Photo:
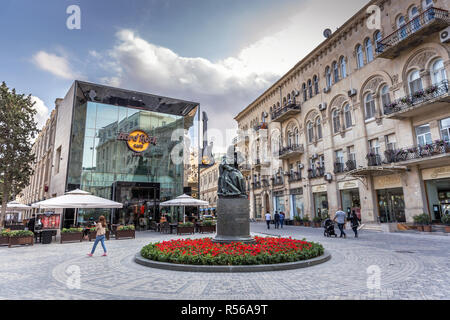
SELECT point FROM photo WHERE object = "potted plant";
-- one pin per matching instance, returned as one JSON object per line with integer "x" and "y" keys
{"x": 127, "y": 231}
{"x": 93, "y": 234}
{"x": 185, "y": 228}
{"x": 446, "y": 221}
{"x": 20, "y": 237}
{"x": 317, "y": 221}
{"x": 4, "y": 237}
{"x": 207, "y": 226}
{"x": 297, "y": 221}
{"x": 423, "y": 222}
{"x": 71, "y": 234}
{"x": 306, "y": 221}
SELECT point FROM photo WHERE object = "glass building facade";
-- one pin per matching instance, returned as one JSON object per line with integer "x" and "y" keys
{"x": 104, "y": 164}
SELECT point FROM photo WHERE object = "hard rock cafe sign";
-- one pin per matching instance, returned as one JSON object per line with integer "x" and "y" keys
{"x": 138, "y": 141}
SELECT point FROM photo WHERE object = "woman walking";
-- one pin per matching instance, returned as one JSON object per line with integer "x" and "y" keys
{"x": 101, "y": 231}
{"x": 355, "y": 223}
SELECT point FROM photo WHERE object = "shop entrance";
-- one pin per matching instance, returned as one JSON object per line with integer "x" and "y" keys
{"x": 350, "y": 201}
{"x": 140, "y": 203}
{"x": 320, "y": 204}
{"x": 391, "y": 205}
{"x": 438, "y": 194}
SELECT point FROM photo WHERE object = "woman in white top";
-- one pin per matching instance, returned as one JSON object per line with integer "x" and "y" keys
{"x": 101, "y": 231}
{"x": 268, "y": 219}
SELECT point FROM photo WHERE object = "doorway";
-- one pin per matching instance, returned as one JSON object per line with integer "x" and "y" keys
{"x": 391, "y": 205}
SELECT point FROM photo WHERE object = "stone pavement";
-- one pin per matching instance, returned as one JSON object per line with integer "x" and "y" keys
{"x": 374, "y": 266}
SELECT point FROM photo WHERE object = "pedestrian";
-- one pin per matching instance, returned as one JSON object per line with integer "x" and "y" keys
{"x": 282, "y": 217}
{"x": 355, "y": 223}
{"x": 32, "y": 223}
{"x": 268, "y": 219}
{"x": 339, "y": 217}
{"x": 276, "y": 217}
{"x": 100, "y": 228}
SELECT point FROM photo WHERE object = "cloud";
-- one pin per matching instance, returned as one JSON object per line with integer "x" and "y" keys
{"x": 56, "y": 65}
{"x": 42, "y": 112}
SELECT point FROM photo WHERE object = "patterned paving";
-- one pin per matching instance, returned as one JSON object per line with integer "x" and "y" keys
{"x": 412, "y": 266}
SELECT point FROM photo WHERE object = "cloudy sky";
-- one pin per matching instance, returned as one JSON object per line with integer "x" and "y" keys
{"x": 221, "y": 53}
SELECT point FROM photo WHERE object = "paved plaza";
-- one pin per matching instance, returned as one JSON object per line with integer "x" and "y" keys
{"x": 412, "y": 266}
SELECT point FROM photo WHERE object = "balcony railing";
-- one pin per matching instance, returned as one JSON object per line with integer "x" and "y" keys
{"x": 293, "y": 149}
{"x": 351, "y": 165}
{"x": 277, "y": 180}
{"x": 374, "y": 159}
{"x": 256, "y": 185}
{"x": 417, "y": 152}
{"x": 339, "y": 167}
{"x": 438, "y": 18}
{"x": 290, "y": 108}
{"x": 316, "y": 173}
{"x": 245, "y": 167}
{"x": 295, "y": 176}
{"x": 417, "y": 98}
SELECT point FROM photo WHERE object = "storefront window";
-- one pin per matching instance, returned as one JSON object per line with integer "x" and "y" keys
{"x": 438, "y": 194}
{"x": 297, "y": 205}
{"x": 320, "y": 204}
{"x": 391, "y": 205}
{"x": 350, "y": 201}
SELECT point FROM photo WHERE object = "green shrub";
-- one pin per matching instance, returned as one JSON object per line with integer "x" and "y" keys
{"x": 306, "y": 218}
{"x": 186, "y": 224}
{"x": 127, "y": 227}
{"x": 317, "y": 219}
{"x": 297, "y": 218}
{"x": 445, "y": 219}
{"x": 208, "y": 223}
{"x": 21, "y": 233}
{"x": 422, "y": 219}
{"x": 71, "y": 230}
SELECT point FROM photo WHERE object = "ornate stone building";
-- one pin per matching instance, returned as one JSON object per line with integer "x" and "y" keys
{"x": 362, "y": 122}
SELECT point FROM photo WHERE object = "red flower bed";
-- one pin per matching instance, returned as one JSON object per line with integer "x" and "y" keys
{"x": 205, "y": 252}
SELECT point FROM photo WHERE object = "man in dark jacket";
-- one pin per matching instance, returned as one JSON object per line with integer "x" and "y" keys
{"x": 355, "y": 223}
{"x": 31, "y": 223}
{"x": 276, "y": 217}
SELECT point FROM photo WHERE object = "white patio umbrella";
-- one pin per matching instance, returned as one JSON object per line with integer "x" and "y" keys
{"x": 77, "y": 199}
{"x": 184, "y": 201}
{"x": 16, "y": 206}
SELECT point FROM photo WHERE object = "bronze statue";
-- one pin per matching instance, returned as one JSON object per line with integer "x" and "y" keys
{"x": 231, "y": 181}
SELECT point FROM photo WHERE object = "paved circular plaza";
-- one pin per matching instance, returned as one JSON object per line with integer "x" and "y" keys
{"x": 374, "y": 266}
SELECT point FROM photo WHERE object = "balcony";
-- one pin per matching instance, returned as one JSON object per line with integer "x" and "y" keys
{"x": 316, "y": 173}
{"x": 438, "y": 149}
{"x": 245, "y": 168}
{"x": 350, "y": 165}
{"x": 374, "y": 160}
{"x": 291, "y": 151}
{"x": 295, "y": 176}
{"x": 256, "y": 185}
{"x": 339, "y": 167}
{"x": 261, "y": 163}
{"x": 413, "y": 33}
{"x": 420, "y": 102}
{"x": 284, "y": 113}
{"x": 277, "y": 180}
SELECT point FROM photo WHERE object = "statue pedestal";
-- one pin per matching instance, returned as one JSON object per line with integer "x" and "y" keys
{"x": 233, "y": 223}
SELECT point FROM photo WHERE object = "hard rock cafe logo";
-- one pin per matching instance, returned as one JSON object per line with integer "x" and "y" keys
{"x": 138, "y": 141}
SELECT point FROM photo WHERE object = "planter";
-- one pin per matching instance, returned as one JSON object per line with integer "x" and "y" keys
{"x": 17, "y": 241}
{"x": 447, "y": 229}
{"x": 297, "y": 223}
{"x": 71, "y": 236}
{"x": 185, "y": 230}
{"x": 207, "y": 229}
{"x": 125, "y": 234}
{"x": 316, "y": 224}
{"x": 426, "y": 228}
{"x": 93, "y": 235}
{"x": 4, "y": 241}
{"x": 307, "y": 224}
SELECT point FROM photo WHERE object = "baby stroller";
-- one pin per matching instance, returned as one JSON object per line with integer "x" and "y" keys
{"x": 328, "y": 226}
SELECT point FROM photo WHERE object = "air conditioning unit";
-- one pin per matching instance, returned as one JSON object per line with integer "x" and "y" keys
{"x": 323, "y": 106}
{"x": 326, "y": 90}
{"x": 352, "y": 92}
{"x": 444, "y": 35}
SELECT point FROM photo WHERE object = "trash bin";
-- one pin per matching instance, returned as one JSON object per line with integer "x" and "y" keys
{"x": 46, "y": 236}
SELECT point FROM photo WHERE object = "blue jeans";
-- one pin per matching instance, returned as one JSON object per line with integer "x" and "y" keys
{"x": 341, "y": 228}
{"x": 281, "y": 223}
{"x": 97, "y": 240}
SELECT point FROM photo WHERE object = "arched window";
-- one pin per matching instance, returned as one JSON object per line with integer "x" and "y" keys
{"x": 401, "y": 22}
{"x": 310, "y": 132}
{"x": 316, "y": 84}
{"x": 305, "y": 93}
{"x": 336, "y": 121}
{"x": 385, "y": 97}
{"x": 415, "y": 82}
{"x": 438, "y": 72}
{"x": 369, "y": 50}
{"x": 369, "y": 106}
{"x": 348, "y": 116}
{"x": 343, "y": 65}
{"x": 310, "y": 90}
{"x": 359, "y": 56}
{"x": 328, "y": 77}
{"x": 427, "y": 4}
{"x": 429, "y": 11}
{"x": 335, "y": 72}
{"x": 414, "y": 17}
{"x": 377, "y": 40}
{"x": 319, "y": 128}
{"x": 296, "y": 137}
{"x": 275, "y": 144}
{"x": 289, "y": 136}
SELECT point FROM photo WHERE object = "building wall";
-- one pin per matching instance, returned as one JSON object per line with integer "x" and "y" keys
{"x": 369, "y": 78}
{"x": 209, "y": 183}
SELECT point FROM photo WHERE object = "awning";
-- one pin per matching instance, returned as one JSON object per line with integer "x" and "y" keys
{"x": 377, "y": 171}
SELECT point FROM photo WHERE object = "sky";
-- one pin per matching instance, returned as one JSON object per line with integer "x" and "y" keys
{"x": 220, "y": 53}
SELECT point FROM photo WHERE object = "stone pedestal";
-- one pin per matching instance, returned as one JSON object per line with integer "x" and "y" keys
{"x": 233, "y": 223}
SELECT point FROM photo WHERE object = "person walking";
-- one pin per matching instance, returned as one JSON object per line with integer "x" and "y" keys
{"x": 268, "y": 219}
{"x": 276, "y": 217}
{"x": 282, "y": 217}
{"x": 101, "y": 231}
{"x": 355, "y": 223}
{"x": 339, "y": 217}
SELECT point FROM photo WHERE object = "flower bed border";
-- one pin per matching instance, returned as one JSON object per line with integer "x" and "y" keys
{"x": 326, "y": 256}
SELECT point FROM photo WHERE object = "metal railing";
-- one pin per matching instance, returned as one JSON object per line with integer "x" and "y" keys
{"x": 316, "y": 173}
{"x": 339, "y": 167}
{"x": 292, "y": 105}
{"x": 292, "y": 148}
{"x": 295, "y": 176}
{"x": 374, "y": 160}
{"x": 417, "y": 152}
{"x": 417, "y": 98}
{"x": 411, "y": 27}
{"x": 277, "y": 180}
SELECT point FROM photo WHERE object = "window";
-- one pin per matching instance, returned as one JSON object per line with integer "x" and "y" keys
{"x": 305, "y": 93}
{"x": 401, "y": 22}
{"x": 438, "y": 72}
{"x": 321, "y": 161}
{"x": 374, "y": 146}
{"x": 343, "y": 65}
{"x": 310, "y": 132}
{"x": 377, "y": 39}
{"x": 415, "y": 82}
{"x": 359, "y": 56}
{"x": 351, "y": 154}
{"x": 296, "y": 137}
{"x": 391, "y": 142}
{"x": 319, "y": 128}
{"x": 369, "y": 50}
{"x": 316, "y": 85}
{"x": 444, "y": 124}
{"x": 347, "y": 116}
{"x": 427, "y": 4}
{"x": 312, "y": 164}
{"x": 423, "y": 135}
{"x": 339, "y": 156}
{"x": 369, "y": 106}
{"x": 289, "y": 142}
{"x": 328, "y": 76}
{"x": 58, "y": 159}
{"x": 310, "y": 89}
{"x": 414, "y": 17}
{"x": 336, "y": 121}
{"x": 335, "y": 72}
{"x": 385, "y": 97}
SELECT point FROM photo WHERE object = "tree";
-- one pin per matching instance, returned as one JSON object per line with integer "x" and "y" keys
{"x": 17, "y": 131}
